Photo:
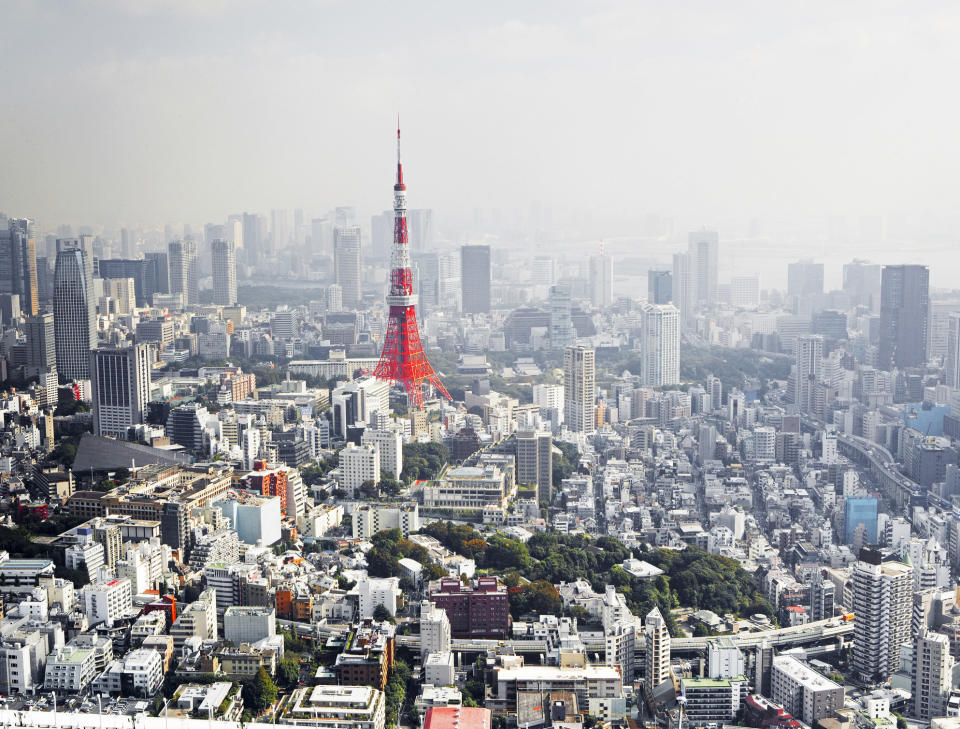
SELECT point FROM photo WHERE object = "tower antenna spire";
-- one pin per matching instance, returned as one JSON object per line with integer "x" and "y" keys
{"x": 399, "y": 166}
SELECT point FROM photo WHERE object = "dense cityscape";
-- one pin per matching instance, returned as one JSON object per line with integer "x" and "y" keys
{"x": 327, "y": 469}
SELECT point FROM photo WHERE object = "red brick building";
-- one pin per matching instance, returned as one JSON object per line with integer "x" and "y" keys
{"x": 478, "y": 611}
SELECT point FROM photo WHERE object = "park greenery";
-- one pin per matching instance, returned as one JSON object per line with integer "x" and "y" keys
{"x": 692, "y": 578}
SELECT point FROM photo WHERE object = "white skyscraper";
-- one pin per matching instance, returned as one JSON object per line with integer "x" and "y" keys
{"x": 562, "y": 333}
{"x": 579, "y": 388}
{"x": 932, "y": 671}
{"x": 657, "y": 658}
{"x": 224, "y": 260}
{"x": 434, "y": 629}
{"x": 660, "y": 348}
{"x": 346, "y": 250}
{"x": 184, "y": 273}
{"x": 809, "y": 369}
{"x": 703, "y": 247}
{"x": 601, "y": 280}
{"x": 882, "y": 603}
{"x": 952, "y": 359}
{"x": 120, "y": 384}
{"x": 682, "y": 289}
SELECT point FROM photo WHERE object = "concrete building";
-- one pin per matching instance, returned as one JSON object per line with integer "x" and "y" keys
{"x": 475, "y": 279}
{"x": 184, "y": 270}
{"x": 255, "y": 518}
{"x": 70, "y": 669}
{"x": 368, "y": 519}
{"x": 107, "y": 601}
{"x": 434, "y": 629}
{"x": 535, "y": 462}
{"x": 390, "y": 445}
{"x": 139, "y": 674}
{"x": 587, "y": 682}
{"x": 358, "y": 465}
{"x": 374, "y": 591}
{"x": 932, "y": 671}
{"x": 579, "y": 389}
{"x": 347, "y": 264}
{"x": 467, "y": 488}
{"x": 882, "y": 603}
{"x": 336, "y": 707}
{"x": 802, "y": 691}
{"x": 198, "y": 620}
{"x": 713, "y": 700}
{"x": 601, "y": 280}
{"x": 224, "y": 266}
{"x": 620, "y": 641}
{"x": 477, "y": 611}
{"x": 74, "y": 310}
{"x": 248, "y": 623}
{"x": 660, "y": 345}
{"x": 904, "y": 316}
{"x": 120, "y": 384}
{"x": 657, "y": 655}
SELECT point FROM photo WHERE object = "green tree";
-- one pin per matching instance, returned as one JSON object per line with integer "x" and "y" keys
{"x": 288, "y": 671}
{"x": 260, "y": 692}
{"x": 380, "y": 613}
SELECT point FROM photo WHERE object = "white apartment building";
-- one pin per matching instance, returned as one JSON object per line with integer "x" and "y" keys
{"x": 358, "y": 464}
{"x": 657, "y": 656}
{"x": 104, "y": 601}
{"x": 70, "y": 669}
{"x": 434, "y": 629}
{"x": 374, "y": 591}
{"x": 802, "y": 691}
{"x": 139, "y": 673}
{"x": 660, "y": 345}
{"x": 390, "y": 445}
{"x": 337, "y": 707}
{"x": 368, "y": 519}
{"x": 198, "y": 619}
{"x": 467, "y": 487}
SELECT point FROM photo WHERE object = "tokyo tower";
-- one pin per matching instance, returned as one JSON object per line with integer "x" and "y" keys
{"x": 402, "y": 360}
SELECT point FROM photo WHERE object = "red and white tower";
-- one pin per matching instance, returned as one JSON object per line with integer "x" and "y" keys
{"x": 402, "y": 360}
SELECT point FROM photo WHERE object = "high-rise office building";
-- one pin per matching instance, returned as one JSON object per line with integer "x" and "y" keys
{"x": 660, "y": 347}
{"x": 682, "y": 290}
{"x": 427, "y": 278}
{"x": 562, "y": 333}
{"x": 250, "y": 222}
{"x": 744, "y": 292}
{"x": 149, "y": 274}
{"x": 657, "y": 658}
{"x": 420, "y": 229}
{"x": 904, "y": 312}
{"x": 535, "y": 462}
{"x": 860, "y": 512}
{"x": 951, "y": 363}
{"x": 882, "y": 603}
{"x": 861, "y": 282}
{"x": 932, "y": 675}
{"x": 224, "y": 266}
{"x": 804, "y": 278}
{"x": 18, "y": 264}
{"x": 41, "y": 343}
{"x": 279, "y": 230}
{"x": 703, "y": 250}
{"x": 601, "y": 280}
{"x": 346, "y": 251}
{"x": 184, "y": 272}
{"x": 579, "y": 389}
{"x": 659, "y": 287}
{"x": 160, "y": 270}
{"x": 74, "y": 312}
{"x": 475, "y": 279}
{"x": 120, "y": 384}
{"x": 808, "y": 359}
{"x": 381, "y": 235}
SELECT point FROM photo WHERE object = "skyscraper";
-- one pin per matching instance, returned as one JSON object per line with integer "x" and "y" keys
{"x": 381, "y": 235}
{"x": 475, "y": 279}
{"x": 279, "y": 230}
{"x": 821, "y": 596}
{"x": 804, "y": 278}
{"x": 932, "y": 675}
{"x": 861, "y": 282}
{"x": 579, "y": 388}
{"x": 346, "y": 251}
{"x": 427, "y": 276}
{"x": 224, "y": 260}
{"x": 120, "y": 383}
{"x": 41, "y": 344}
{"x": 251, "y": 237}
{"x": 160, "y": 270}
{"x": 857, "y": 512}
{"x": 952, "y": 360}
{"x": 657, "y": 658}
{"x": 659, "y": 287}
{"x": 660, "y": 347}
{"x": 601, "y": 280}
{"x": 882, "y": 604}
{"x": 904, "y": 312}
{"x": 421, "y": 229}
{"x": 183, "y": 270}
{"x": 703, "y": 250}
{"x": 74, "y": 313}
{"x": 562, "y": 333}
{"x": 682, "y": 288}
{"x": 535, "y": 462}
{"x": 808, "y": 358}
{"x": 18, "y": 265}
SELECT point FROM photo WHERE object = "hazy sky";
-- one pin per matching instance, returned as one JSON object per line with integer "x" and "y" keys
{"x": 143, "y": 111}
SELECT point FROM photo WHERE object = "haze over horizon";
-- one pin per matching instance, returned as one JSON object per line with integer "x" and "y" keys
{"x": 138, "y": 113}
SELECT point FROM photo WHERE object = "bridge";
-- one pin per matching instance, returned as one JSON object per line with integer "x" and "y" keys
{"x": 810, "y": 634}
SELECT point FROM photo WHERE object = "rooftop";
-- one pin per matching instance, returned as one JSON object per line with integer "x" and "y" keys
{"x": 457, "y": 717}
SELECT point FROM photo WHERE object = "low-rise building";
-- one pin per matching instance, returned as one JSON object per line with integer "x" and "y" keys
{"x": 70, "y": 670}
{"x": 139, "y": 674}
{"x": 335, "y": 707}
